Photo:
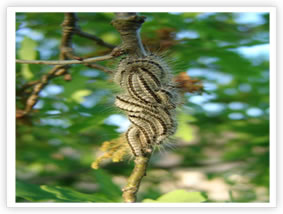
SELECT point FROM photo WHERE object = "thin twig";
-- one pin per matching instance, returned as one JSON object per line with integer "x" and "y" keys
{"x": 68, "y": 28}
{"x": 100, "y": 67}
{"x": 66, "y": 62}
{"x": 29, "y": 84}
{"x": 32, "y": 99}
{"x": 98, "y": 40}
{"x": 77, "y": 31}
{"x": 66, "y": 50}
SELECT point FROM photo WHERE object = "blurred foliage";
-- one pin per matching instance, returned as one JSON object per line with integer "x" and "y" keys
{"x": 221, "y": 148}
{"x": 178, "y": 196}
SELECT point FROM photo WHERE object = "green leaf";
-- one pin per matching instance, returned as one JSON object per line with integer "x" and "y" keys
{"x": 78, "y": 83}
{"x": 184, "y": 130}
{"x": 67, "y": 194}
{"x": 178, "y": 196}
{"x": 110, "y": 37}
{"x": 26, "y": 72}
{"x": 79, "y": 95}
{"x": 27, "y": 51}
{"x": 32, "y": 192}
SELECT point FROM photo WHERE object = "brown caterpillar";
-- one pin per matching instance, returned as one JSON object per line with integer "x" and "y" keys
{"x": 149, "y": 100}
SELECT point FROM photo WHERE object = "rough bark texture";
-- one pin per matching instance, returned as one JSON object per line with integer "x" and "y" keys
{"x": 132, "y": 187}
{"x": 128, "y": 25}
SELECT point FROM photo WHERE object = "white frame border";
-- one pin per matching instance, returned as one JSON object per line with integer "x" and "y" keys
{"x": 11, "y": 140}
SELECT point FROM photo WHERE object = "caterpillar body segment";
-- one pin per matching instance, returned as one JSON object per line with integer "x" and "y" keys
{"x": 149, "y": 65}
{"x": 146, "y": 122}
{"x": 132, "y": 136}
{"x": 133, "y": 90}
{"x": 145, "y": 138}
{"x": 151, "y": 77}
{"x": 167, "y": 98}
{"x": 126, "y": 101}
{"x": 148, "y": 91}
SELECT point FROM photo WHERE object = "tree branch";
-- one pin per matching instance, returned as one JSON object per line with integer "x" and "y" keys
{"x": 133, "y": 184}
{"x": 67, "y": 62}
{"x": 69, "y": 26}
{"x": 100, "y": 67}
{"x": 66, "y": 50}
{"x": 128, "y": 25}
{"x": 32, "y": 99}
{"x": 61, "y": 66}
{"x": 77, "y": 31}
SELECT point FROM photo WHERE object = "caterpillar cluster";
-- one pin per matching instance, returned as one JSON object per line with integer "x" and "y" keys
{"x": 149, "y": 99}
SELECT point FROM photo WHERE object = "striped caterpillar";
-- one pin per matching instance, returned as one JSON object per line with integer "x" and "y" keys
{"x": 149, "y": 100}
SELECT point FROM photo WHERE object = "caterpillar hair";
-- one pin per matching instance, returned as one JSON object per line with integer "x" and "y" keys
{"x": 149, "y": 99}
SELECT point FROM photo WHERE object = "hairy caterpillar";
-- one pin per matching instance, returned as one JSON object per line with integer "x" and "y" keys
{"x": 149, "y": 100}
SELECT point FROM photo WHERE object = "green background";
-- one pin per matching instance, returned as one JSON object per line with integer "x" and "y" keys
{"x": 220, "y": 152}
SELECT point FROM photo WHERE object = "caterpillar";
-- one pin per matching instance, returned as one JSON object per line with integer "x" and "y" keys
{"x": 149, "y": 100}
